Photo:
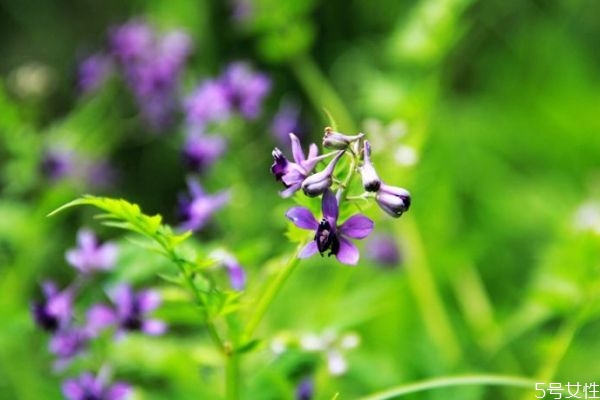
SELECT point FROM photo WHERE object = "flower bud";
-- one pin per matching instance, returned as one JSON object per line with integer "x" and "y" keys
{"x": 370, "y": 179}
{"x": 393, "y": 200}
{"x": 318, "y": 183}
{"x": 339, "y": 141}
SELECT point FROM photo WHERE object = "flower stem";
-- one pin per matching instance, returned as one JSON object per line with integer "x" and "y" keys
{"x": 232, "y": 377}
{"x": 269, "y": 294}
{"x": 437, "y": 383}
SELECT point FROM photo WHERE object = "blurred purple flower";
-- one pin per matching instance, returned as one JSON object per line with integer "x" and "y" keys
{"x": 285, "y": 121}
{"x": 305, "y": 389}
{"x": 57, "y": 164}
{"x": 90, "y": 255}
{"x": 151, "y": 65}
{"x": 88, "y": 387}
{"x": 383, "y": 250}
{"x": 93, "y": 72}
{"x": 129, "y": 313}
{"x": 328, "y": 235}
{"x": 208, "y": 103}
{"x": 242, "y": 10}
{"x": 246, "y": 88}
{"x": 55, "y": 312}
{"x": 131, "y": 41}
{"x": 292, "y": 174}
{"x": 196, "y": 211}
{"x": 67, "y": 343}
{"x": 100, "y": 174}
{"x": 237, "y": 275}
{"x": 200, "y": 151}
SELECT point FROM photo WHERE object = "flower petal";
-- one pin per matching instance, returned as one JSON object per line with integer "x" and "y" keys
{"x": 73, "y": 390}
{"x": 302, "y": 218}
{"x": 99, "y": 317}
{"x": 296, "y": 149}
{"x": 289, "y": 192}
{"x": 357, "y": 227}
{"x": 148, "y": 300}
{"x": 329, "y": 207}
{"x": 118, "y": 391}
{"x": 308, "y": 250}
{"x": 153, "y": 327}
{"x": 348, "y": 253}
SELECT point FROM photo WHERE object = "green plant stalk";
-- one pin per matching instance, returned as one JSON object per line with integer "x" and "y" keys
{"x": 269, "y": 294}
{"x": 232, "y": 376}
{"x": 438, "y": 383}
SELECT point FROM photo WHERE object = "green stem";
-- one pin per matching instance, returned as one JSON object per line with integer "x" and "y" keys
{"x": 320, "y": 91}
{"x": 269, "y": 294}
{"x": 437, "y": 383}
{"x": 232, "y": 377}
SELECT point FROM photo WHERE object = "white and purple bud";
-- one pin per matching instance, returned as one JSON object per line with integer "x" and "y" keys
{"x": 370, "y": 179}
{"x": 339, "y": 141}
{"x": 318, "y": 183}
{"x": 393, "y": 200}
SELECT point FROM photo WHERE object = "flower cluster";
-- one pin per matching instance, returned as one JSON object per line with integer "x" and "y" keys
{"x": 150, "y": 64}
{"x": 71, "y": 335}
{"x": 330, "y": 235}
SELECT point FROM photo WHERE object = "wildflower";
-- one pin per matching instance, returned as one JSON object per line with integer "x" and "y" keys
{"x": 131, "y": 41}
{"x": 208, "y": 103}
{"x": 370, "y": 179}
{"x": 200, "y": 151}
{"x": 329, "y": 236}
{"x": 393, "y": 200}
{"x": 318, "y": 183}
{"x": 292, "y": 174}
{"x": 129, "y": 313}
{"x": 286, "y": 120}
{"x": 332, "y": 346}
{"x": 93, "y": 72}
{"x": 383, "y": 250}
{"x": 196, "y": 211}
{"x": 90, "y": 256}
{"x": 305, "y": 389}
{"x": 57, "y": 164}
{"x": 88, "y": 387}
{"x": 237, "y": 275}
{"x": 56, "y": 311}
{"x": 246, "y": 88}
{"x": 67, "y": 343}
{"x": 339, "y": 141}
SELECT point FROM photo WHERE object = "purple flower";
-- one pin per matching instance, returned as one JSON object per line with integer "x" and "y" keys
{"x": 88, "y": 387}
{"x": 67, "y": 343}
{"x": 292, "y": 174}
{"x": 129, "y": 313}
{"x": 56, "y": 311}
{"x": 90, "y": 256}
{"x": 131, "y": 41}
{"x": 237, "y": 275}
{"x": 208, "y": 103}
{"x": 200, "y": 151}
{"x": 370, "y": 179}
{"x": 246, "y": 89}
{"x": 57, "y": 164}
{"x": 305, "y": 389}
{"x": 151, "y": 65}
{"x": 328, "y": 235}
{"x": 383, "y": 250}
{"x": 393, "y": 200}
{"x": 339, "y": 141}
{"x": 93, "y": 72}
{"x": 318, "y": 183}
{"x": 285, "y": 121}
{"x": 196, "y": 211}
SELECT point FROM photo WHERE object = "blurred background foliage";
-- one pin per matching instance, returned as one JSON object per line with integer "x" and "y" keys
{"x": 487, "y": 111}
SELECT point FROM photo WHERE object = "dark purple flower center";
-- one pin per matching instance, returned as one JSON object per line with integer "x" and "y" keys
{"x": 44, "y": 319}
{"x": 280, "y": 164}
{"x": 133, "y": 320}
{"x": 326, "y": 238}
